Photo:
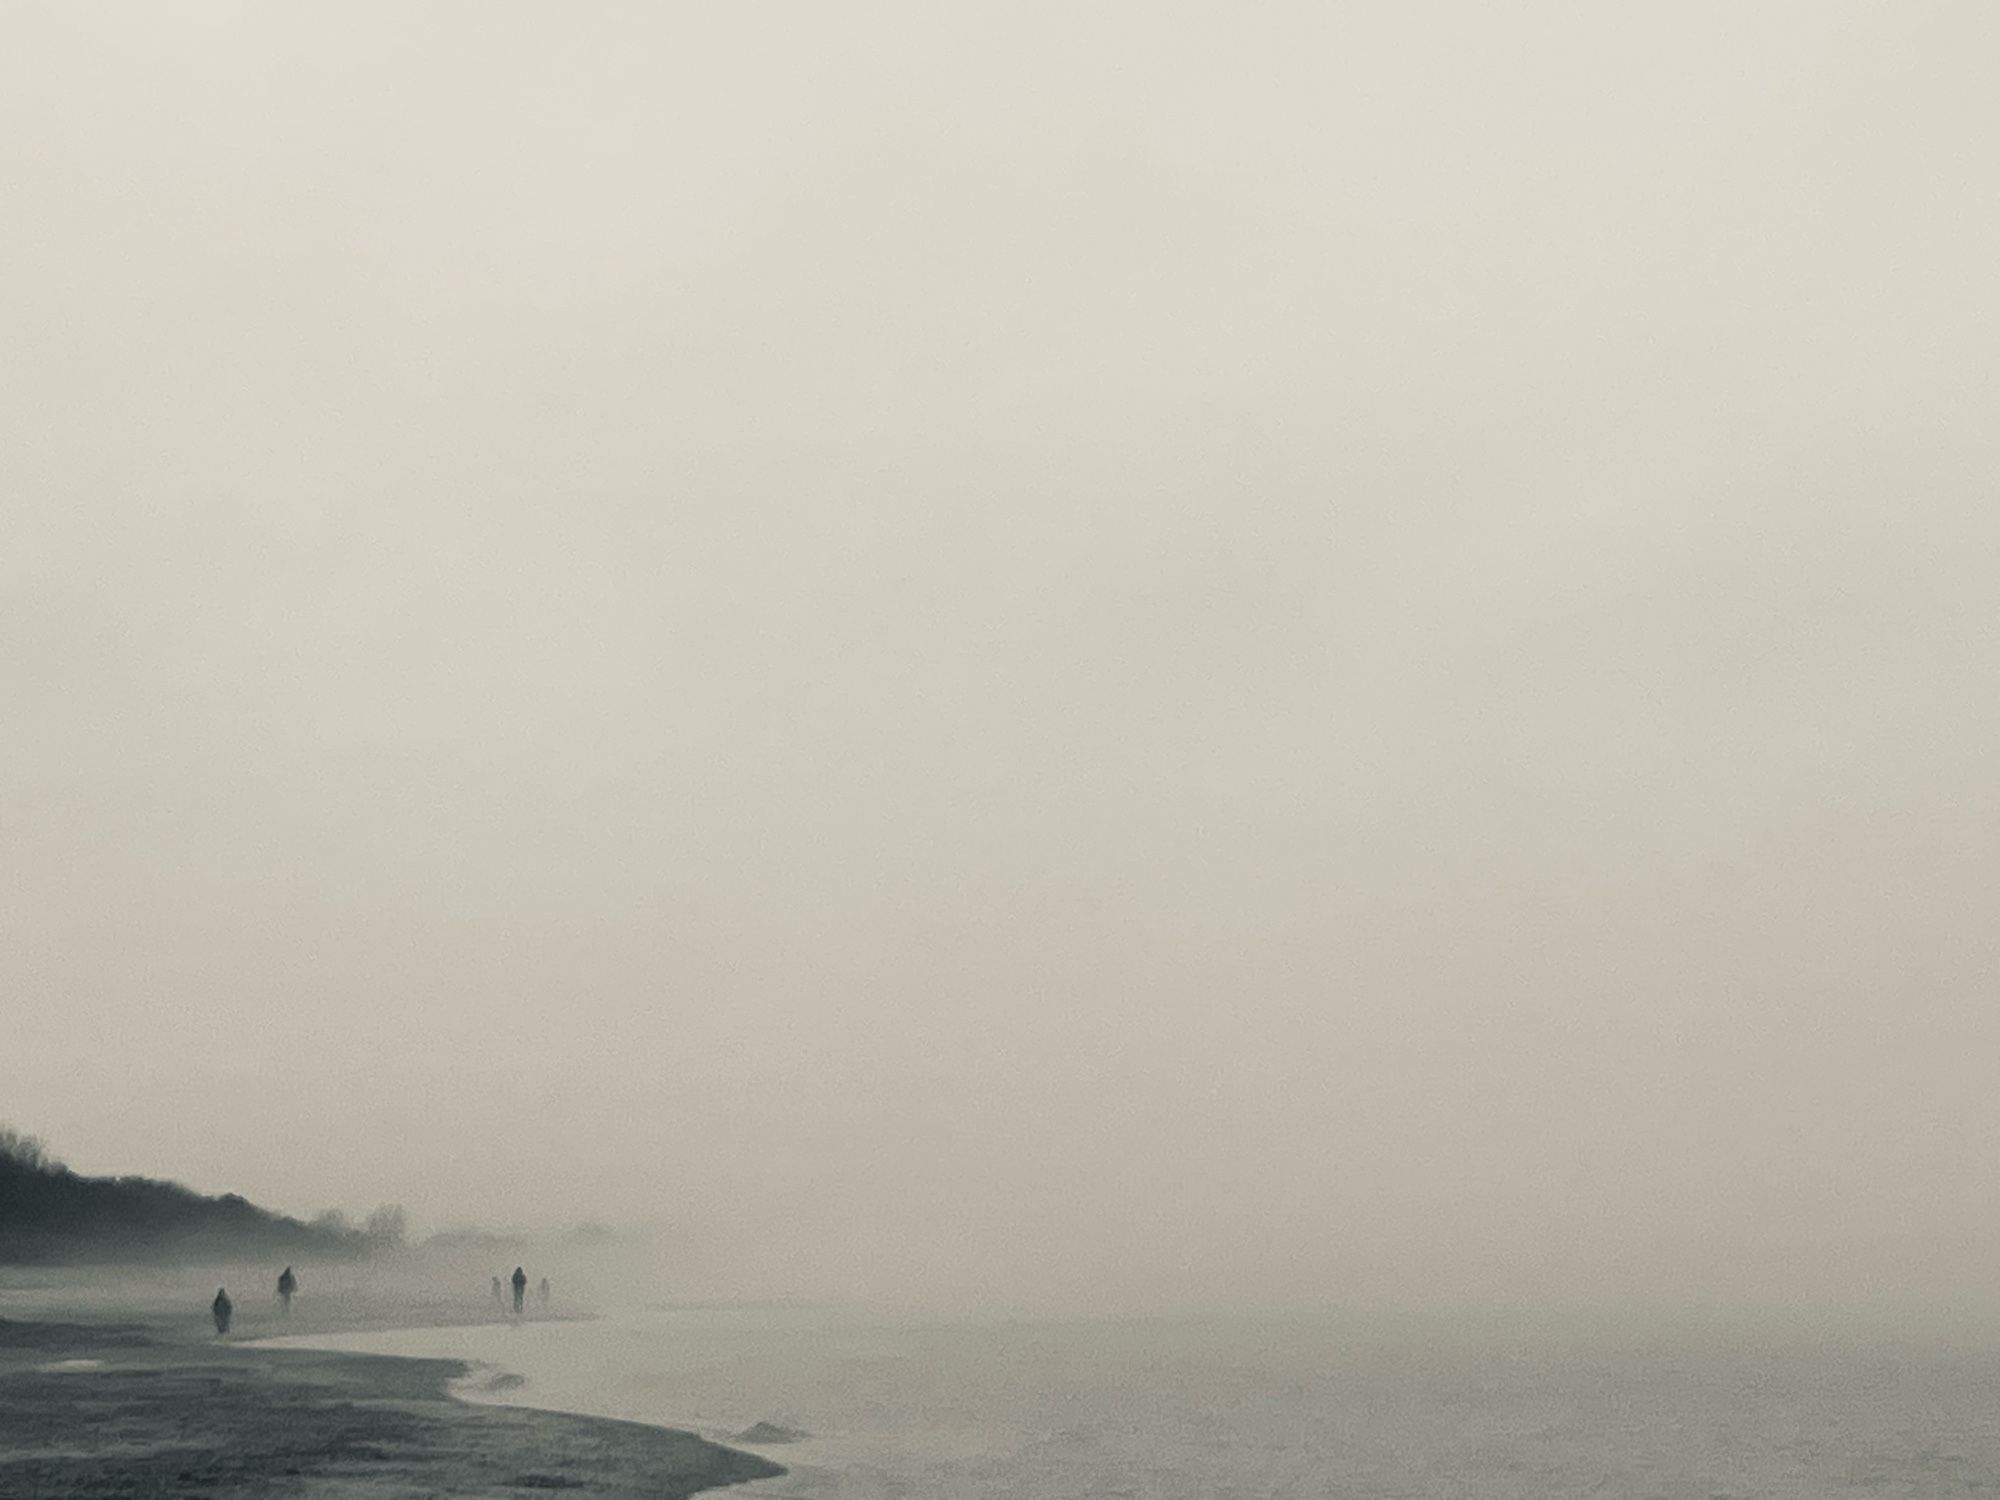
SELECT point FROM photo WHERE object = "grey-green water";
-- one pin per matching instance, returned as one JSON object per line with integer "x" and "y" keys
{"x": 1173, "y": 1410}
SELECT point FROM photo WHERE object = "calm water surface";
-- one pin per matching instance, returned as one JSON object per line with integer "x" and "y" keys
{"x": 1176, "y": 1410}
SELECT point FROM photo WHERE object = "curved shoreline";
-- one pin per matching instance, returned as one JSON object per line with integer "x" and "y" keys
{"x": 151, "y": 1412}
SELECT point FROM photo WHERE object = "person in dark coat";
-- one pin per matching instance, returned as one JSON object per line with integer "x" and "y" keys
{"x": 287, "y": 1284}
{"x": 520, "y": 1289}
{"x": 222, "y": 1307}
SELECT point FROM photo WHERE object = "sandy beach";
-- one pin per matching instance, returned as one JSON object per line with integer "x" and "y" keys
{"x": 141, "y": 1408}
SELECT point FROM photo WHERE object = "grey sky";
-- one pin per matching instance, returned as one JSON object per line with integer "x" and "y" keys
{"x": 1081, "y": 653}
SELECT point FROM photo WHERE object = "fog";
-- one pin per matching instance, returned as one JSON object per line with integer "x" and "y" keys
{"x": 1127, "y": 656}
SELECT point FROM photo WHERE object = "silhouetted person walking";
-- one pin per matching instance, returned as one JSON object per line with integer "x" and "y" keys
{"x": 287, "y": 1284}
{"x": 222, "y": 1307}
{"x": 520, "y": 1289}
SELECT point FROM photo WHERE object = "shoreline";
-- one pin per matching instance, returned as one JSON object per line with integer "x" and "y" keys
{"x": 131, "y": 1407}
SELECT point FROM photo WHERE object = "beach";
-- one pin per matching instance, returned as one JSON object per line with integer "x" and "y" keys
{"x": 139, "y": 1408}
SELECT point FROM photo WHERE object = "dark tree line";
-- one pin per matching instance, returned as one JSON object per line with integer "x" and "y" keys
{"x": 52, "y": 1215}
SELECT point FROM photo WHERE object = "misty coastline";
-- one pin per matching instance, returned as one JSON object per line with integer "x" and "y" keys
{"x": 120, "y": 1373}
{"x": 1135, "y": 751}
{"x": 115, "y": 1404}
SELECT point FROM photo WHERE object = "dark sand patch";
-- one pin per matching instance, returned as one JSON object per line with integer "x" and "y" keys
{"x": 170, "y": 1417}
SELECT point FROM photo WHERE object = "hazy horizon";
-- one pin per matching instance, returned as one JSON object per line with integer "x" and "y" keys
{"x": 1162, "y": 656}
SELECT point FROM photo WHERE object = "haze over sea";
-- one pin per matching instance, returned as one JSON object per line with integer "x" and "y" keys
{"x": 1171, "y": 1409}
{"x": 1089, "y": 661}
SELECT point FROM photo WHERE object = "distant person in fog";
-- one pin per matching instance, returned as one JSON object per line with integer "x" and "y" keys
{"x": 222, "y": 1307}
{"x": 287, "y": 1284}
{"x": 499, "y": 1297}
{"x": 542, "y": 1292}
{"x": 520, "y": 1289}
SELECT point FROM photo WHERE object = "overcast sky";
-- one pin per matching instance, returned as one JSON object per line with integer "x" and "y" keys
{"x": 1090, "y": 654}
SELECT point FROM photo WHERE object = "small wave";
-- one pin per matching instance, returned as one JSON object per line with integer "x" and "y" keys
{"x": 772, "y": 1432}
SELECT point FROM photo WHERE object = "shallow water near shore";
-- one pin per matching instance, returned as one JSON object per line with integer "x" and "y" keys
{"x": 1171, "y": 1410}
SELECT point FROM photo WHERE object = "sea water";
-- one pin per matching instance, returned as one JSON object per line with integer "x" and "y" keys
{"x": 1178, "y": 1409}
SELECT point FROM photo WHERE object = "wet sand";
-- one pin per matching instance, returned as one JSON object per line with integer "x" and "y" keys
{"x": 91, "y": 1409}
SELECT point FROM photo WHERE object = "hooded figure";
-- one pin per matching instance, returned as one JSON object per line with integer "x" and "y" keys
{"x": 222, "y": 1307}
{"x": 287, "y": 1284}
{"x": 520, "y": 1289}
